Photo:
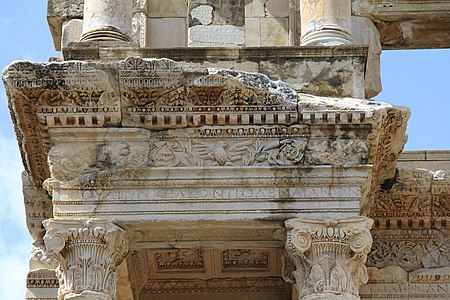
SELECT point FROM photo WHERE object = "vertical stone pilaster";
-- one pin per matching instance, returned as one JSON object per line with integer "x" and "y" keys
{"x": 329, "y": 257}
{"x": 326, "y": 22}
{"x": 89, "y": 251}
{"x": 107, "y": 20}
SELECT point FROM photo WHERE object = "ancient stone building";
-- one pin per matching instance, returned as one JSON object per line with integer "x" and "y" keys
{"x": 212, "y": 149}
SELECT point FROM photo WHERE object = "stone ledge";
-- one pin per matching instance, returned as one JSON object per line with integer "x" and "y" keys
{"x": 109, "y": 51}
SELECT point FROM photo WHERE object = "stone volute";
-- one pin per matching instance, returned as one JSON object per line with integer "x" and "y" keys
{"x": 329, "y": 257}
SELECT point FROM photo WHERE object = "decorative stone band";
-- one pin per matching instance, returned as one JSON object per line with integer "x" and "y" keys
{"x": 329, "y": 256}
{"x": 90, "y": 250}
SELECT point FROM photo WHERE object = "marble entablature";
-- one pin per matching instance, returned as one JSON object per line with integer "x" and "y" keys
{"x": 181, "y": 117}
{"x": 153, "y": 140}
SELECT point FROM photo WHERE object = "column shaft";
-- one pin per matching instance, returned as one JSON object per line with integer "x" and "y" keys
{"x": 106, "y": 20}
{"x": 326, "y": 22}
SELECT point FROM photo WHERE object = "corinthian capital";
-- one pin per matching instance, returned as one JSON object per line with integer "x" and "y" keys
{"x": 329, "y": 256}
{"x": 89, "y": 250}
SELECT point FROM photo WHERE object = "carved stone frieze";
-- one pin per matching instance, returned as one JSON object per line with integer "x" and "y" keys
{"x": 137, "y": 263}
{"x": 42, "y": 278}
{"x": 38, "y": 206}
{"x": 40, "y": 259}
{"x": 89, "y": 251}
{"x": 162, "y": 94}
{"x": 245, "y": 259}
{"x": 179, "y": 260}
{"x": 386, "y": 143}
{"x": 159, "y": 93}
{"x": 413, "y": 199}
{"x": 410, "y": 249}
{"x": 263, "y": 284}
{"x": 407, "y": 204}
{"x": 329, "y": 257}
{"x": 440, "y": 203}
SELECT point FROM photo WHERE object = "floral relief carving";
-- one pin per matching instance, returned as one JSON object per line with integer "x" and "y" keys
{"x": 409, "y": 249}
{"x": 227, "y": 152}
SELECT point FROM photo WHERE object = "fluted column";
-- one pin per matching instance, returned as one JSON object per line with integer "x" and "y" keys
{"x": 325, "y": 22}
{"x": 329, "y": 257}
{"x": 89, "y": 251}
{"x": 107, "y": 20}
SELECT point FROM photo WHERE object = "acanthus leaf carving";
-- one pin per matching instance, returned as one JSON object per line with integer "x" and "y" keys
{"x": 89, "y": 252}
{"x": 329, "y": 256}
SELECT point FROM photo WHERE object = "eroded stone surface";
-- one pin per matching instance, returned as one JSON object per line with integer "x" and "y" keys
{"x": 214, "y": 23}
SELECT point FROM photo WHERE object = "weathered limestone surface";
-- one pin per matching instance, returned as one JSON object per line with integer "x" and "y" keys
{"x": 331, "y": 71}
{"x": 270, "y": 23}
{"x": 269, "y": 125}
{"x": 60, "y": 11}
{"x": 364, "y": 32}
{"x": 433, "y": 160}
{"x": 214, "y": 23}
{"x": 408, "y": 24}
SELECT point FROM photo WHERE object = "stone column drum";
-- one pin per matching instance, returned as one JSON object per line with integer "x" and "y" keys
{"x": 329, "y": 257}
{"x": 325, "y": 22}
{"x": 107, "y": 20}
{"x": 89, "y": 251}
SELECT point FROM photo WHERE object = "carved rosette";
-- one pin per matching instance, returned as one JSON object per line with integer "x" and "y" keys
{"x": 90, "y": 251}
{"x": 329, "y": 257}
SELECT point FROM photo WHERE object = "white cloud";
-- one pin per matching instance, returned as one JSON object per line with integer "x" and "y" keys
{"x": 15, "y": 241}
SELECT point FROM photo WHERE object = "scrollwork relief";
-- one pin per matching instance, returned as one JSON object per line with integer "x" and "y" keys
{"x": 227, "y": 152}
{"x": 409, "y": 249}
{"x": 329, "y": 256}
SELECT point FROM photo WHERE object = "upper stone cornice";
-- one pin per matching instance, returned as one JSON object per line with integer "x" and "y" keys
{"x": 161, "y": 94}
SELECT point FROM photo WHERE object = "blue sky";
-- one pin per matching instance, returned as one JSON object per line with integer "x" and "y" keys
{"x": 417, "y": 79}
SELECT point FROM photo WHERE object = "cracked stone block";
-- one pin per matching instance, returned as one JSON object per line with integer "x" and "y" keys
{"x": 274, "y": 31}
{"x": 229, "y": 12}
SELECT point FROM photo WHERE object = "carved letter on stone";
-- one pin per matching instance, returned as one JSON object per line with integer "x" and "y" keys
{"x": 329, "y": 257}
{"x": 90, "y": 250}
